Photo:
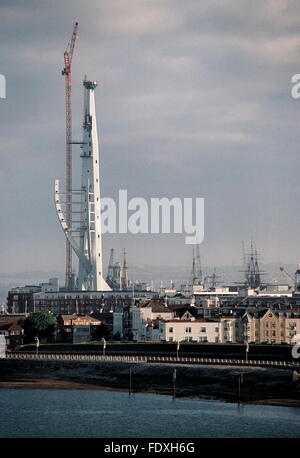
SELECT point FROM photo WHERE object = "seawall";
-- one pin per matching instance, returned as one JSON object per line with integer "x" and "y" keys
{"x": 215, "y": 382}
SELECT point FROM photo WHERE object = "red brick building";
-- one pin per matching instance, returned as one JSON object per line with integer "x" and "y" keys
{"x": 13, "y": 334}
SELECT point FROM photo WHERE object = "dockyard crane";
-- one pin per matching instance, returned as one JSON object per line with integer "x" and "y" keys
{"x": 199, "y": 266}
{"x": 68, "y": 56}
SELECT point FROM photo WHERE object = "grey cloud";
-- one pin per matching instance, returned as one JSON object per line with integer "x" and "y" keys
{"x": 193, "y": 100}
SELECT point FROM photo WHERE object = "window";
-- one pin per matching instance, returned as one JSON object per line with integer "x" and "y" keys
{"x": 202, "y": 329}
{"x": 188, "y": 330}
{"x": 188, "y": 339}
{"x": 170, "y": 329}
{"x": 216, "y": 330}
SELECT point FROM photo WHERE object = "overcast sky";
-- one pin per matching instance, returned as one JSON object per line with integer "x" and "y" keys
{"x": 194, "y": 100}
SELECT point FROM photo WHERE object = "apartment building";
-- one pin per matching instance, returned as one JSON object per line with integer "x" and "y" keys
{"x": 268, "y": 326}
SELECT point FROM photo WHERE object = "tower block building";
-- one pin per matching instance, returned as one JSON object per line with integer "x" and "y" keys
{"x": 84, "y": 234}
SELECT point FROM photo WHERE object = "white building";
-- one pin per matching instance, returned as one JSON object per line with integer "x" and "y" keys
{"x": 192, "y": 330}
{"x": 142, "y": 318}
{"x": 229, "y": 330}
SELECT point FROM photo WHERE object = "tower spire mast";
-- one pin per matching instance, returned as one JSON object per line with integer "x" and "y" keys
{"x": 68, "y": 55}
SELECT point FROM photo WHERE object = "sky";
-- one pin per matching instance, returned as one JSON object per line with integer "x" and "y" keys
{"x": 193, "y": 100}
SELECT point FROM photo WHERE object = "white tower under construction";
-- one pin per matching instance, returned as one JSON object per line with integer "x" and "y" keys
{"x": 84, "y": 234}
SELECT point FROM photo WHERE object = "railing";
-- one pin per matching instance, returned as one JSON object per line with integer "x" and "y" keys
{"x": 148, "y": 359}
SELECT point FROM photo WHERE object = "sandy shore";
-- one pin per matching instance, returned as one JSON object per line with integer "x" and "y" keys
{"x": 277, "y": 402}
{"x": 52, "y": 384}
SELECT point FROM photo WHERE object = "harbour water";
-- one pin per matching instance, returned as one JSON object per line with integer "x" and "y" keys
{"x": 105, "y": 414}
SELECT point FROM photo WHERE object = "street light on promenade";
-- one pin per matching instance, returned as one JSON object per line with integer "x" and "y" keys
{"x": 177, "y": 349}
{"x": 104, "y": 345}
{"x": 37, "y": 344}
{"x": 247, "y": 350}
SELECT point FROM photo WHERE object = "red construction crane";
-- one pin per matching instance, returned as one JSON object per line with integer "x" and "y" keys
{"x": 68, "y": 55}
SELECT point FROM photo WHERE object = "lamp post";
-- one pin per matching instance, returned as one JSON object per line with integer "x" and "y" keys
{"x": 130, "y": 381}
{"x": 37, "y": 344}
{"x": 174, "y": 384}
{"x": 177, "y": 349}
{"x": 104, "y": 345}
{"x": 239, "y": 390}
{"x": 247, "y": 350}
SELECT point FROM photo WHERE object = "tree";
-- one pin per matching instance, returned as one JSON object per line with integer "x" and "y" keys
{"x": 41, "y": 324}
{"x": 21, "y": 322}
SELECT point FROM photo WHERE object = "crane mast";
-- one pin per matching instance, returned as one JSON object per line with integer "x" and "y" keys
{"x": 68, "y": 55}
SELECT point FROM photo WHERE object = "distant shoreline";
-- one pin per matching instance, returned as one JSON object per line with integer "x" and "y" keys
{"x": 53, "y": 384}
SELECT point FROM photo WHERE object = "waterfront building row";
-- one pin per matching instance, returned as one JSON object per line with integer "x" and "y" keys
{"x": 154, "y": 322}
